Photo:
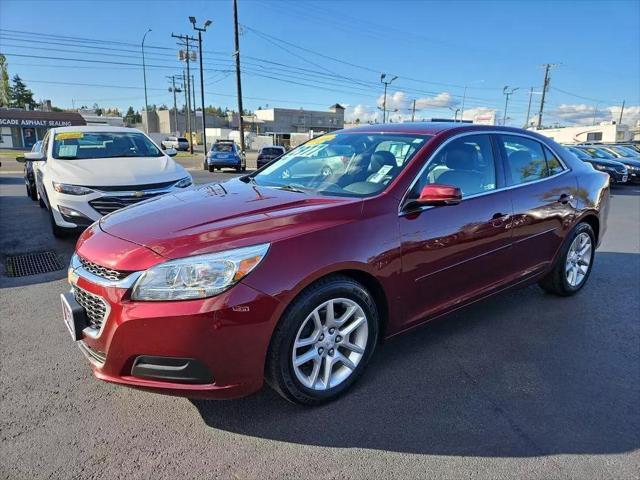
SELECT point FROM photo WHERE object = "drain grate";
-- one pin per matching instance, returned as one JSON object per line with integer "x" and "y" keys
{"x": 33, "y": 264}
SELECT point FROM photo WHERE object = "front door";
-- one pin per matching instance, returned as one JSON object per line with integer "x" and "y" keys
{"x": 451, "y": 254}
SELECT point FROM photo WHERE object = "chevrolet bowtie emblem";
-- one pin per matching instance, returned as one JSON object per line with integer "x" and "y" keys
{"x": 138, "y": 194}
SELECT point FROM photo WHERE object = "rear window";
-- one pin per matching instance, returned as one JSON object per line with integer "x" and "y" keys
{"x": 222, "y": 147}
{"x": 182, "y": 139}
{"x": 272, "y": 151}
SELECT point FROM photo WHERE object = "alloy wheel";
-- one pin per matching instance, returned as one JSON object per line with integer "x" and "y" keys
{"x": 330, "y": 344}
{"x": 578, "y": 259}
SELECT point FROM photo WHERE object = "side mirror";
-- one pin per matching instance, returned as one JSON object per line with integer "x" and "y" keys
{"x": 20, "y": 159}
{"x": 172, "y": 152}
{"x": 34, "y": 156}
{"x": 437, "y": 195}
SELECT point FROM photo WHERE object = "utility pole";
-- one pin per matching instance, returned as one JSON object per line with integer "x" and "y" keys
{"x": 413, "y": 111}
{"x": 595, "y": 113}
{"x": 187, "y": 56}
{"x": 175, "y": 90}
{"x": 144, "y": 74}
{"x": 545, "y": 87}
{"x": 238, "y": 80}
{"x": 204, "y": 118}
{"x": 526, "y": 121}
{"x": 621, "y": 111}
{"x": 193, "y": 99}
{"x": 384, "y": 101}
{"x": 507, "y": 94}
{"x": 187, "y": 102}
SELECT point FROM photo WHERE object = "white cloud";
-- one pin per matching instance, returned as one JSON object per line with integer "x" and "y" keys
{"x": 401, "y": 102}
{"x": 583, "y": 114}
{"x": 362, "y": 112}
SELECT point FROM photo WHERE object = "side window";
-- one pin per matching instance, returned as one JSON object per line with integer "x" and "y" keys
{"x": 45, "y": 144}
{"x": 525, "y": 159}
{"x": 553, "y": 164}
{"x": 467, "y": 163}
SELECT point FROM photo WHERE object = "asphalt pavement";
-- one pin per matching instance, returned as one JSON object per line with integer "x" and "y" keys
{"x": 525, "y": 385}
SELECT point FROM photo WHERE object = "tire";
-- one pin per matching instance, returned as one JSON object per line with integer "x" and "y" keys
{"x": 41, "y": 202}
{"x": 211, "y": 168}
{"x": 559, "y": 281}
{"x": 58, "y": 232}
{"x": 33, "y": 193}
{"x": 297, "y": 324}
{"x": 238, "y": 169}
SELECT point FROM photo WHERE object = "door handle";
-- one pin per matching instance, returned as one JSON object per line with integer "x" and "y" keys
{"x": 565, "y": 198}
{"x": 499, "y": 219}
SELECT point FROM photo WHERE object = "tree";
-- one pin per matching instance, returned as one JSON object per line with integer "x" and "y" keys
{"x": 20, "y": 95}
{"x": 97, "y": 109}
{"x": 132, "y": 116}
{"x": 5, "y": 89}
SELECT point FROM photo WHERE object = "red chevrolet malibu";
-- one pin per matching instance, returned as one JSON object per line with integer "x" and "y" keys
{"x": 293, "y": 274}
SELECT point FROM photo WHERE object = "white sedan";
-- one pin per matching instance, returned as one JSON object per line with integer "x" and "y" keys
{"x": 88, "y": 172}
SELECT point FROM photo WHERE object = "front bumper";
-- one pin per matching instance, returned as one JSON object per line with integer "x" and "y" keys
{"x": 227, "y": 336}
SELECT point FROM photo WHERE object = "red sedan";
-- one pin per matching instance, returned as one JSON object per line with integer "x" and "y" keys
{"x": 294, "y": 274}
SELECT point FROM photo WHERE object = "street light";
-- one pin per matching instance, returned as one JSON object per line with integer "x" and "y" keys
{"x": 384, "y": 102}
{"x": 144, "y": 74}
{"x": 455, "y": 113}
{"x": 204, "y": 117}
{"x": 507, "y": 94}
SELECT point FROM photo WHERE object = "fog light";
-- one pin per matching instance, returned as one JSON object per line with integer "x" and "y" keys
{"x": 73, "y": 216}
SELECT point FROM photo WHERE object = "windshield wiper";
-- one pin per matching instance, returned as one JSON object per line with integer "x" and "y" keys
{"x": 291, "y": 188}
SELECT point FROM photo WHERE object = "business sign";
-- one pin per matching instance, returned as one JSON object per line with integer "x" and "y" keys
{"x": 25, "y": 122}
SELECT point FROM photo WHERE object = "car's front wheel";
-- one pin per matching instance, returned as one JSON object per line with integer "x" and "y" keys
{"x": 573, "y": 266}
{"x": 323, "y": 341}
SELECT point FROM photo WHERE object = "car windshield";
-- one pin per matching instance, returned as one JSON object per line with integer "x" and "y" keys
{"x": 222, "y": 147}
{"x": 578, "y": 153}
{"x": 625, "y": 152}
{"x": 597, "y": 153}
{"x": 272, "y": 151}
{"x": 354, "y": 165}
{"x": 87, "y": 145}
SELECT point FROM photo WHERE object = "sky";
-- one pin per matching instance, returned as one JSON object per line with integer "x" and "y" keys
{"x": 314, "y": 53}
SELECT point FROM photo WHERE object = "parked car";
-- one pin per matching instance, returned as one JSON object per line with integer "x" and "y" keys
{"x": 617, "y": 171}
{"x": 295, "y": 279}
{"x": 29, "y": 172}
{"x": 600, "y": 152}
{"x": 179, "y": 143}
{"x": 267, "y": 154}
{"x": 225, "y": 154}
{"x": 88, "y": 172}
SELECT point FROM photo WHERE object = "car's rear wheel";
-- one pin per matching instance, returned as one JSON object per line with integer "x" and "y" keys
{"x": 211, "y": 168}
{"x": 573, "y": 266}
{"x": 323, "y": 341}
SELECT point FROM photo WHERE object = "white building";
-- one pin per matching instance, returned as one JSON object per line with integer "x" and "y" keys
{"x": 605, "y": 132}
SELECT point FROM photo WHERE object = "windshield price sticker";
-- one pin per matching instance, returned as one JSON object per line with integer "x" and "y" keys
{"x": 320, "y": 140}
{"x": 310, "y": 151}
{"x": 69, "y": 135}
{"x": 380, "y": 174}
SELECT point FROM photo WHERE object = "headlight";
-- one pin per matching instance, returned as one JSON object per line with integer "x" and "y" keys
{"x": 599, "y": 167}
{"x": 71, "y": 189}
{"x": 183, "y": 183}
{"x": 200, "y": 276}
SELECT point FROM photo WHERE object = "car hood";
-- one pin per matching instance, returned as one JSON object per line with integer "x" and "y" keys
{"x": 117, "y": 171}
{"x": 216, "y": 217}
{"x": 634, "y": 161}
{"x": 602, "y": 161}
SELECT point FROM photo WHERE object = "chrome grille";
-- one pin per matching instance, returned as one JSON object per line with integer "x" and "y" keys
{"x": 94, "y": 306}
{"x": 105, "y": 205}
{"x": 101, "y": 271}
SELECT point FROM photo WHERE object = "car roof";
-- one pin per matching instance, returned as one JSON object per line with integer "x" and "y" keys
{"x": 95, "y": 128}
{"x": 430, "y": 128}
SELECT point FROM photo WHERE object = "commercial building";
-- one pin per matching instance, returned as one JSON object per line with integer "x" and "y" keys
{"x": 21, "y": 129}
{"x": 169, "y": 123}
{"x": 605, "y": 132}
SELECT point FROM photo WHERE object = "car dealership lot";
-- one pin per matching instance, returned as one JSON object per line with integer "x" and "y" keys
{"x": 523, "y": 385}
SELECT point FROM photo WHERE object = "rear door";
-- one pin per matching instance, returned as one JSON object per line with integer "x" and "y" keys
{"x": 451, "y": 254}
{"x": 544, "y": 201}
